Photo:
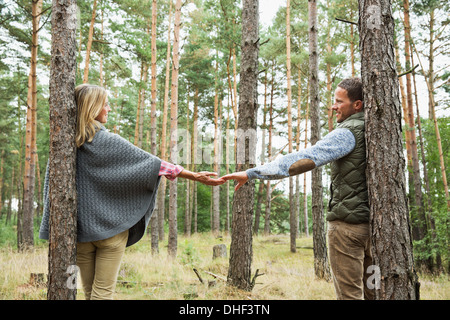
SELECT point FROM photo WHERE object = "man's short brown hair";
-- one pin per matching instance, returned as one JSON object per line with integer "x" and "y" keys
{"x": 353, "y": 87}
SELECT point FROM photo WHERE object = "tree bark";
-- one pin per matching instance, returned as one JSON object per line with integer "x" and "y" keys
{"x": 241, "y": 250}
{"x": 62, "y": 188}
{"x": 321, "y": 267}
{"x": 389, "y": 215}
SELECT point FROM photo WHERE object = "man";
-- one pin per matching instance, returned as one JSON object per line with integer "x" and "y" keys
{"x": 348, "y": 209}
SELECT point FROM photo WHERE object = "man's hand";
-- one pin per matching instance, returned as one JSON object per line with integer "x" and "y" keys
{"x": 204, "y": 177}
{"x": 241, "y": 177}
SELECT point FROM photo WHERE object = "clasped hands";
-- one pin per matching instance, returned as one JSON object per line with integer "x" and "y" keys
{"x": 205, "y": 178}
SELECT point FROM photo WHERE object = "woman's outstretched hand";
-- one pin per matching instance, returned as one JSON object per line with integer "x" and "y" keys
{"x": 241, "y": 177}
{"x": 205, "y": 178}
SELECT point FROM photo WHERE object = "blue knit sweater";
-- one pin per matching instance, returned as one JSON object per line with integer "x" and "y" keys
{"x": 335, "y": 145}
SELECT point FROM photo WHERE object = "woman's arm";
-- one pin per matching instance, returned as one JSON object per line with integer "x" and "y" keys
{"x": 203, "y": 177}
{"x": 172, "y": 171}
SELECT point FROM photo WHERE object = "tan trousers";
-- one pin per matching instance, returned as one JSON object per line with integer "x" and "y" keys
{"x": 99, "y": 263}
{"x": 350, "y": 258}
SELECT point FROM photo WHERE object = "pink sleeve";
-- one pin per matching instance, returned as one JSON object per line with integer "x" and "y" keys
{"x": 169, "y": 170}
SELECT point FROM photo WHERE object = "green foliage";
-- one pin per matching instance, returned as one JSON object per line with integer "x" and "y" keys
{"x": 436, "y": 241}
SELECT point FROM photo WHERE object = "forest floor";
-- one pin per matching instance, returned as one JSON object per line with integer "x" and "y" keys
{"x": 143, "y": 276}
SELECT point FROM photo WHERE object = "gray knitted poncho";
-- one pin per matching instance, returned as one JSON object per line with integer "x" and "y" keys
{"x": 117, "y": 185}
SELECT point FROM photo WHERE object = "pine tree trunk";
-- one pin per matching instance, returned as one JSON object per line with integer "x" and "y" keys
{"x": 62, "y": 188}
{"x": 30, "y": 139}
{"x": 216, "y": 189}
{"x": 389, "y": 219}
{"x": 89, "y": 45}
{"x": 241, "y": 251}
{"x": 269, "y": 157}
{"x": 297, "y": 140}
{"x": 153, "y": 147}
{"x": 187, "y": 207}
{"x": 305, "y": 197}
{"x": 173, "y": 229}
{"x": 153, "y": 80}
{"x": 321, "y": 267}
{"x": 194, "y": 159}
{"x": 263, "y": 144}
{"x": 163, "y": 146}
{"x": 292, "y": 213}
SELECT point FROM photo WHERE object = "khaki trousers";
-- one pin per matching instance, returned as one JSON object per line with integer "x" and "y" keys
{"x": 350, "y": 257}
{"x": 99, "y": 263}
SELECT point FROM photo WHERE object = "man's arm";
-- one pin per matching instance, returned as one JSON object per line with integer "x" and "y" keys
{"x": 333, "y": 146}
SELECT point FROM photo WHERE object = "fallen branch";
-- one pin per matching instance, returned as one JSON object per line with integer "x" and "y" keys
{"x": 257, "y": 274}
{"x": 198, "y": 275}
{"x": 215, "y": 276}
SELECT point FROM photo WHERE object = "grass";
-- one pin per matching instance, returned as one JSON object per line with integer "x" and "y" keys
{"x": 144, "y": 276}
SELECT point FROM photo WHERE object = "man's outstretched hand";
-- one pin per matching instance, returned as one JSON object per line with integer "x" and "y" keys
{"x": 241, "y": 177}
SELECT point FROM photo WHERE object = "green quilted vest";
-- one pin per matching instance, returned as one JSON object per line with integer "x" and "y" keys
{"x": 349, "y": 198}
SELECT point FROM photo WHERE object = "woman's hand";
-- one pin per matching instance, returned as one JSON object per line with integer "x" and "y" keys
{"x": 205, "y": 178}
{"x": 202, "y": 177}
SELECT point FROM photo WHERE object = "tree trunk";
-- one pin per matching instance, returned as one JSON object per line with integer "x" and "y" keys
{"x": 269, "y": 157}
{"x": 62, "y": 158}
{"x": 173, "y": 229}
{"x": 138, "y": 131}
{"x": 297, "y": 141}
{"x": 27, "y": 238}
{"x": 241, "y": 251}
{"x": 153, "y": 80}
{"x": 187, "y": 207}
{"x": 260, "y": 193}
{"x": 292, "y": 212}
{"x": 216, "y": 189}
{"x": 194, "y": 159}
{"x": 305, "y": 197}
{"x": 153, "y": 147}
{"x": 89, "y": 45}
{"x": 389, "y": 217}
{"x": 163, "y": 145}
{"x": 321, "y": 267}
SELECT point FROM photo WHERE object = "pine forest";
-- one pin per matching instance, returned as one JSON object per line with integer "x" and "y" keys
{"x": 178, "y": 79}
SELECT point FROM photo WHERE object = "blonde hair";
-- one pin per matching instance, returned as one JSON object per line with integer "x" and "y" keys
{"x": 90, "y": 100}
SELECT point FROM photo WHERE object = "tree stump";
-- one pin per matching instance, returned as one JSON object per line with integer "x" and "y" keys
{"x": 37, "y": 279}
{"x": 219, "y": 251}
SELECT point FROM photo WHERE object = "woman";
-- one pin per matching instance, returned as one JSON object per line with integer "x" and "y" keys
{"x": 117, "y": 184}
